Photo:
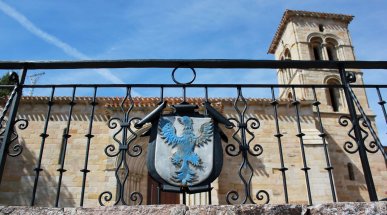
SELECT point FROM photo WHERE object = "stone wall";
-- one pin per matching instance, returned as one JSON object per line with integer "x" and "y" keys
{"x": 374, "y": 208}
{"x": 16, "y": 187}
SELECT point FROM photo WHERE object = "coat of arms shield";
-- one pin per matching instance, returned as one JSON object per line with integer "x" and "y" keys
{"x": 185, "y": 152}
{"x": 184, "y": 149}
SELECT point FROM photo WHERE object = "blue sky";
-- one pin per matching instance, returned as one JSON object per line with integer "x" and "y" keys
{"x": 136, "y": 29}
{"x": 92, "y": 29}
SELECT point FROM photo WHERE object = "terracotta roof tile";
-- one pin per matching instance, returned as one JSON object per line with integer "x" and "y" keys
{"x": 138, "y": 101}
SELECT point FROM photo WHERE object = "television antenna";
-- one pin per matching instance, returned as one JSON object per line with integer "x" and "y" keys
{"x": 34, "y": 79}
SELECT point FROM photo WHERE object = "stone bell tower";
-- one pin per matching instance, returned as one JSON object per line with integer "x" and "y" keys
{"x": 304, "y": 35}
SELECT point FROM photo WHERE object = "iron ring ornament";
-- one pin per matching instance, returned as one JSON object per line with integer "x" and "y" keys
{"x": 183, "y": 83}
{"x": 350, "y": 76}
{"x": 349, "y": 146}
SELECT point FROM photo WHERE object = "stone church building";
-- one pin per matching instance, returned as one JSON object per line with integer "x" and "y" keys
{"x": 301, "y": 35}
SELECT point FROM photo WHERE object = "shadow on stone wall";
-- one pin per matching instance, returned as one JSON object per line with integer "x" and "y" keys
{"x": 18, "y": 181}
{"x": 347, "y": 190}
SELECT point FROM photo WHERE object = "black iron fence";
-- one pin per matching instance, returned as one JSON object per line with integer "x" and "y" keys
{"x": 242, "y": 125}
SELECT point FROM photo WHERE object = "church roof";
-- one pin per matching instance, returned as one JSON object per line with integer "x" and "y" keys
{"x": 138, "y": 101}
{"x": 114, "y": 103}
{"x": 300, "y": 13}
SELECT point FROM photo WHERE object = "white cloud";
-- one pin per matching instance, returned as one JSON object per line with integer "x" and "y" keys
{"x": 66, "y": 48}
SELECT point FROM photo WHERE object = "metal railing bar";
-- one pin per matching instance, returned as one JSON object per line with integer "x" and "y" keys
{"x": 7, "y": 104}
{"x": 382, "y": 103}
{"x": 300, "y": 136}
{"x": 13, "y": 108}
{"x": 161, "y": 94}
{"x": 358, "y": 136}
{"x": 89, "y": 136}
{"x": 43, "y": 135}
{"x": 192, "y": 63}
{"x": 278, "y": 135}
{"x": 66, "y": 136}
{"x": 323, "y": 135}
{"x": 200, "y": 86}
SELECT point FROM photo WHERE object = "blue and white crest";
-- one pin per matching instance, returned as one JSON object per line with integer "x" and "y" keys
{"x": 184, "y": 149}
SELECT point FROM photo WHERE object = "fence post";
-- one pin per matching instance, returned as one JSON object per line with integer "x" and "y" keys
{"x": 345, "y": 80}
{"x": 11, "y": 121}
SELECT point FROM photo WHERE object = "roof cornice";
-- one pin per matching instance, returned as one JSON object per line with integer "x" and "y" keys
{"x": 300, "y": 13}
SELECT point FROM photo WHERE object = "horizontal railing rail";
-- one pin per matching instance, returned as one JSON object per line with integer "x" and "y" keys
{"x": 199, "y": 85}
{"x": 197, "y": 63}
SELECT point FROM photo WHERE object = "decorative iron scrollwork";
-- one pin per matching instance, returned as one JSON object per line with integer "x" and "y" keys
{"x": 349, "y": 146}
{"x": 232, "y": 195}
{"x": 110, "y": 149}
{"x": 231, "y": 149}
{"x": 257, "y": 149}
{"x": 136, "y": 197}
{"x": 262, "y": 195}
{"x": 106, "y": 196}
{"x": 371, "y": 147}
{"x": 243, "y": 127}
{"x": 134, "y": 150}
{"x": 375, "y": 144}
{"x": 15, "y": 148}
{"x": 127, "y": 134}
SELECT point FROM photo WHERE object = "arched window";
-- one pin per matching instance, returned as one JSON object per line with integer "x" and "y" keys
{"x": 287, "y": 54}
{"x": 321, "y": 28}
{"x": 288, "y": 71}
{"x": 331, "y": 45}
{"x": 315, "y": 45}
{"x": 290, "y": 95}
{"x": 351, "y": 173}
{"x": 282, "y": 73}
{"x": 333, "y": 95}
{"x": 281, "y": 76}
